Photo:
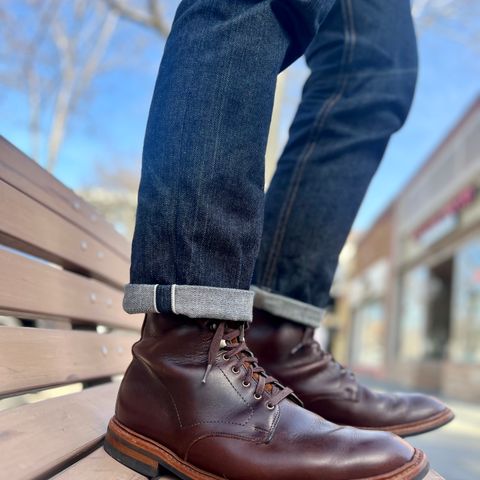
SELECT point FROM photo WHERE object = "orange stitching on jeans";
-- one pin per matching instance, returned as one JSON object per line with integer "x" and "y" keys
{"x": 349, "y": 44}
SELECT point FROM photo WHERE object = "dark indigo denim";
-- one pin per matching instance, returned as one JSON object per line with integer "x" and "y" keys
{"x": 363, "y": 65}
{"x": 201, "y": 201}
{"x": 200, "y": 204}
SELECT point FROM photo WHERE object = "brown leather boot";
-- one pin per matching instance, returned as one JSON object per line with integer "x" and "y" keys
{"x": 289, "y": 351}
{"x": 195, "y": 401}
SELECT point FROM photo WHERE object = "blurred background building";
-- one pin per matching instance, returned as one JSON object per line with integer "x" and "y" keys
{"x": 407, "y": 300}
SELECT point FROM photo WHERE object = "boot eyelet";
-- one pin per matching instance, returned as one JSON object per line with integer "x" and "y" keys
{"x": 246, "y": 384}
{"x": 257, "y": 397}
{"x": 226, "y": 357}
{"x": 270, "y": 406}
{"x": 235, "y": 370}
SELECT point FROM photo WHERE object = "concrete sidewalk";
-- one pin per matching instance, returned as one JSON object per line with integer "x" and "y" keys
{"x": 454, "y": 450}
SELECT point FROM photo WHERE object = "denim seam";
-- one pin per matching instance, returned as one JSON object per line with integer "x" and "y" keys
{"x": 172, "y": 299}
{"x": 349, "y": 43}
{"x": 155, "y": 298}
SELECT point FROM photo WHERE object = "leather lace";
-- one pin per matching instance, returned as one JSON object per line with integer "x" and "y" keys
{"x": 326, "y": 358}
{"x": 231, "y": 341}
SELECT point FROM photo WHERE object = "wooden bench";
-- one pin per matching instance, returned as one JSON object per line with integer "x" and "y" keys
{"x": 63, "y": 268}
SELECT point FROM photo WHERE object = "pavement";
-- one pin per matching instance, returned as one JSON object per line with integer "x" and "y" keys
{"x": 453, "y": 450}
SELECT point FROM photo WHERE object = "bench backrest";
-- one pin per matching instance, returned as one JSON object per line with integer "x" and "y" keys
{"x": 61, "y": 265}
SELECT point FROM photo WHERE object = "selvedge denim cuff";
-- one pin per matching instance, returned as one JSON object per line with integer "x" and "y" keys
{"x": 288, "y": 308}
{"x": 191, "y": 300}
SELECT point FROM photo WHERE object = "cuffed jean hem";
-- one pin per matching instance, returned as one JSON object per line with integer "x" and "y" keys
{"x": 190, "y": 300}
{"x": 288, "y": 308}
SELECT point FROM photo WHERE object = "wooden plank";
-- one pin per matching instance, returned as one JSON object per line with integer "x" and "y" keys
{"x": 56, "y": 357}
{"x": 39, "y": 439}
{"x": 38, "y": 290}
{"x": 433, "y": 475}
{"x": 101, "y": 466}
{"x": 98, "y": 466}
{"x": 27, "y": 176}
{"x": 29, "y": 226}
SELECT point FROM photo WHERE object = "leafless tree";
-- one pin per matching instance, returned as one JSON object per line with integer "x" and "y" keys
{"x": 427, "y": 13}
{"x": 456, "y": 19}
{"x": 55, "y": 63}
{"x": 150, "y": 15}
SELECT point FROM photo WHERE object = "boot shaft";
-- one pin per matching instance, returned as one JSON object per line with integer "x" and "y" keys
{"x": 275, "y": 339}
{"x": 166, "y": 378}
{"x": 239, "y": 422}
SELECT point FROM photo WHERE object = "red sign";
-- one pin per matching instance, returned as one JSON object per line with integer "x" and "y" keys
{"x": 455, "y": 205}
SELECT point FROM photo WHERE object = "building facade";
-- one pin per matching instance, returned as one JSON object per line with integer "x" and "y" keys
{"x": 414, "y": 295}
{"x": 369, "y": 297}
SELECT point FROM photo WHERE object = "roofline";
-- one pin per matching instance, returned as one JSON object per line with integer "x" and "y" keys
{"x": 465, "y": 117}
{"x": 468, "y": 113}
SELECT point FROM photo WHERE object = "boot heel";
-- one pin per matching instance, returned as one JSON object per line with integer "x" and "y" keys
{"x": 129, "y": 455}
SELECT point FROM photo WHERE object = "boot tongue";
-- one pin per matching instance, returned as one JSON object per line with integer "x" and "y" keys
{"x": 229, "y": 336}
{"x": 271, "y": 388}
{"x": 236, "y": 341}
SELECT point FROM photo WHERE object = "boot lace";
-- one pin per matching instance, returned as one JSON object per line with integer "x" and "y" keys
{"x": 325, "y": 357}
{"x": 231, "y": 341}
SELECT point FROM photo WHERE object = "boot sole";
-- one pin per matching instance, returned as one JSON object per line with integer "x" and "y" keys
{"x": 421, "y": 426}
{"x": 151, "y": 459}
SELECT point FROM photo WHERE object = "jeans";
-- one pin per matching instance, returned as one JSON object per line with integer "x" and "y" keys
{"x": 201, "y": 202}
{"x": 363, "y": 64}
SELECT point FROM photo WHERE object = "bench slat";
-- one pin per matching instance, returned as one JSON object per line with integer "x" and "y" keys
{"x": 39, "y": 230}
{"x": 33, "y": 288}
{"x": 55, "y": 357}
{"x": 42, "y": 437}
{"x": 100, "y": 466}
{"x": 27, "y": 176}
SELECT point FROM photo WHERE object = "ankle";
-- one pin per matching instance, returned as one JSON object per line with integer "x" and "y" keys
{"x": 273, "y": 337}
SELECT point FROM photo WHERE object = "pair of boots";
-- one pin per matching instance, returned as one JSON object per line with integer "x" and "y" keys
{"x": 195, "y": 401}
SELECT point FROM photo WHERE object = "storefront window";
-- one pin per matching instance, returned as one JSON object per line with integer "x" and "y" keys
{"x": 369, "y": 336}
{"x": 465, "y": 340}
{"x": 414, "y": 313}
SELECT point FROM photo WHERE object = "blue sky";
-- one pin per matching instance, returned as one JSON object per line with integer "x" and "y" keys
{"x": 109, "y": 128}
{"x": 449, "y": 81}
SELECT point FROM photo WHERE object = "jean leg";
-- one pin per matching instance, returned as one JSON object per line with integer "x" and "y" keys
{"x": 363, "y": 65}
{"x": 200, "y": 204}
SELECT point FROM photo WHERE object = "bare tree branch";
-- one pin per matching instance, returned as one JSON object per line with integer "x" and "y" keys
{"x": 152, "y": 18}
{"x": 76, "y": 75}
{"x": 97, "y": 54}
{"x": 453, "y": 19}
{"x": 53, "y": 62}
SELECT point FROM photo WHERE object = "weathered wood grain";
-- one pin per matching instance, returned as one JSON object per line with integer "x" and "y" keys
{"x": 31, "y": 227}
{"x": 37, "y": 289}
{"x": 27, "y": 176}
{"x": 34, "y": 358}
{"x": 37, "y": 439}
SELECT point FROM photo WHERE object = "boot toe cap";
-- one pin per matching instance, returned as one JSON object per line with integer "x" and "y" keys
{"x": 374, "y": 453}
